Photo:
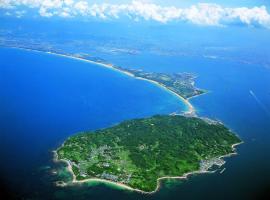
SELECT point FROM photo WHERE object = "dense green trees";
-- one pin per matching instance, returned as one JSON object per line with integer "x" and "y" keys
{"x": 138, "y": 152}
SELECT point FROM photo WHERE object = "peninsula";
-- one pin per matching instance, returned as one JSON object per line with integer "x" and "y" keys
{"x": 138, "y": 153}
{"x": 180, "y": 84}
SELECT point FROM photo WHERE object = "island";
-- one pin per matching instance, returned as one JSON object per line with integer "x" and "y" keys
{"x": 138, "y": 153}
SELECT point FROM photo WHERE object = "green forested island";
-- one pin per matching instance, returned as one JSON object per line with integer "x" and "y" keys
{"x": 138, "y": 152}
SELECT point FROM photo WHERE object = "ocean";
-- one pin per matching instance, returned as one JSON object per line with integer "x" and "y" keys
{"x": 46, "y": 98}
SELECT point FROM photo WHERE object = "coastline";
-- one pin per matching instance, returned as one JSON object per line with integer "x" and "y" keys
{"x": 124, "y": 186}
{"x": 191, "y": 111}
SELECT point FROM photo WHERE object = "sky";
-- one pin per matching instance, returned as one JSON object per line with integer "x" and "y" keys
{"x": 254, "y": 13}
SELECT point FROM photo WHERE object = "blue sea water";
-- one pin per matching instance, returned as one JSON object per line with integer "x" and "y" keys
{"x": 45, "y": 98}
{"x": 239, "y": 96}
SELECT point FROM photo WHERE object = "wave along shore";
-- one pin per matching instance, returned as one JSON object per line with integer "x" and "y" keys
{"x": 190, "y": 108}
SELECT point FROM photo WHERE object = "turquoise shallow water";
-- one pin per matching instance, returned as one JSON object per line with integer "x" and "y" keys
{"x": 45, "y": 98}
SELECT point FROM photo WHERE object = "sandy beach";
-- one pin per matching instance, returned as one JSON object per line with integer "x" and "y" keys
{"x": 190, "y": 108}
